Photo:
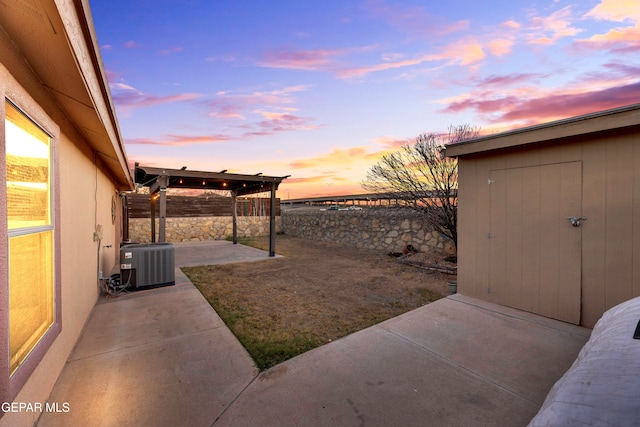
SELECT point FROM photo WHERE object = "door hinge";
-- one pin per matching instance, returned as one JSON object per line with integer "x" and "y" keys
{"x": 490, "y": 236}
{"x": 490, "y": 181}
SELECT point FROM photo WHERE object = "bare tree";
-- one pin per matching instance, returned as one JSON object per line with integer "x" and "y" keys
{"x": 422, "y": 174}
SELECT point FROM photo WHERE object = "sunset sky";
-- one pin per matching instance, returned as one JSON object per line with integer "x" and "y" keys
{"x": 320, "y": 89}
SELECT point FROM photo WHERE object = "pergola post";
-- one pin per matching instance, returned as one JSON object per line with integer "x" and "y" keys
{"x": 272, "y": 221}
{"x": 152, "y": 197}
{"x": 162, "y": 237}
{"x": 234, "y": 215}
{"x": 160, "y": 186}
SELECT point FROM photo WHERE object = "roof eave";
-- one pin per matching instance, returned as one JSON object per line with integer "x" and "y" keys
{"x": 58, "y": 44}
{"x": 618, "y": 118}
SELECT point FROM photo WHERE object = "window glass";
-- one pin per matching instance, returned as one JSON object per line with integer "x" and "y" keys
{"x": 28, "y": 160}
{"x": 30, "y": 293}
{"x": 31, "y": 234}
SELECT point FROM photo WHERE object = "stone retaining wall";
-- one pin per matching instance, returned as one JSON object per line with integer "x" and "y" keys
{"x": 200, "y": 228}
{"x": 381, "y": 229}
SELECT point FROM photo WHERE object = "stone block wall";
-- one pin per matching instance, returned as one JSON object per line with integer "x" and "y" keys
{"x": 380, "y": 229}
{"x": 200, "y": 228}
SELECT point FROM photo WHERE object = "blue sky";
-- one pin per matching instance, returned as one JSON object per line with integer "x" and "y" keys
{"x": 319, "y": 90}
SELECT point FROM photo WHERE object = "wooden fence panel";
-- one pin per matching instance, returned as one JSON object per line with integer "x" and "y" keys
{"x": 139, "y": 206}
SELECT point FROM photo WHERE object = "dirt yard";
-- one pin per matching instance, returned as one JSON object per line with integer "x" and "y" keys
{"x": 317, "y": 292}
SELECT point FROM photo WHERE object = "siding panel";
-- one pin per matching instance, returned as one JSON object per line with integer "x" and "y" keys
{"x": 482, "y": 229}
{"x": 467, "y": 238}
{"x": 619, "y": 250}
{"x": 593, "y": 234}
{"x": 514, "y": 233}
{"x": 570, "y": 241}
{"x": 531, "y": 248}
{"x": 550, "y": 268}
{"x": 498, "y": 237}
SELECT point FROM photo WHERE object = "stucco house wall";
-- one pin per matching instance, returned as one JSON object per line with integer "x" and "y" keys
{"x": 53, "y": 73}
{"x": 517, "y": 190}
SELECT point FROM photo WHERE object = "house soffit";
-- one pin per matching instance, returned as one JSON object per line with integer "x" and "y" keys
{"x": 70, "y": 75}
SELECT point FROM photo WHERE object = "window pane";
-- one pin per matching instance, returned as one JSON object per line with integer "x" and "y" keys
{"x": 31, "y": 302}
{"x": 28, "y": 172}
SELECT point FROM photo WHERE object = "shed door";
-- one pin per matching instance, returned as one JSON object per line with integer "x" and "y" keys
{"x": 535, "y": 251}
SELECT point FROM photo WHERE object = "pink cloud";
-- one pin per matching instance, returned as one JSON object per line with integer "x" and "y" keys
{"x": 179, "y": 140}
{"x": 463, "y": 52}
{"x": 171, "y": 50}
{"x": 620, "y": 40}
{"x": 511, "y": 24}
{"x": 317, "y": 186}
{"x": 237, "y": 106}
{"x": 500, "y": 47}
{"x": 337, "y": 157}
{"x": 361, "y": 71}
{"x": 314, "y": 60}
{"x": 619, "y": 72}
{"x": 569, "y": 105}
{"x": 280, "y": 123}
{"x": 392, "y": 143}
{"x": 308, "y": 180}
{"x": 548, "y": 30}
{"x": 511, "y": 79}
{"x": 413, "y": 20}
{"x": 112, "y": 76}
{"x": 616, "y": 10}
{"x": 132, "y": 44}
{"x": 127, "y": 97}
{"x": 469, "y": 52}
{"x": 466, "y": 53}
{"x": 617, "y": 40}
{"x": 549, "y": 107}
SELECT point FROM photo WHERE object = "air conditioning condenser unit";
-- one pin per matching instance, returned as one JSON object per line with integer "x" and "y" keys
{"x": 147, "y": 265}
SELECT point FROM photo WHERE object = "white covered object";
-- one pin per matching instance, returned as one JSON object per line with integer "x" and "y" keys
{"x": 602, "y": 387}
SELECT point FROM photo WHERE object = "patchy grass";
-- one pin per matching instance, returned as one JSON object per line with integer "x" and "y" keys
{"x": 316, "y": 293}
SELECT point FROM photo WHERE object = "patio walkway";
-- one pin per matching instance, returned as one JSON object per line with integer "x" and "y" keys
{"x": 163, "y": 357}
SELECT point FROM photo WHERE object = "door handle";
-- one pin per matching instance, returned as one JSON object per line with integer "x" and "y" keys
{"x": 576, "y": 221}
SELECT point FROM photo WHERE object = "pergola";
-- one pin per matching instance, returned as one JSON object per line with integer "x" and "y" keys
{"x": 159, "y": 179}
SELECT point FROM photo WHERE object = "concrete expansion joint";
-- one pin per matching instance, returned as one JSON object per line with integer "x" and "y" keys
{"x": 236, "y": 398}
{"x": 145, "y": 344}
{"x": 578, "y": 331}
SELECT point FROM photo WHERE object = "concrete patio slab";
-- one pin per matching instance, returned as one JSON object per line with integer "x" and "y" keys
{"x": 176, "y": 381}
{"x": 210, "y": 252}
{"x": 455, "y": 362}
{"x": 163, "y": 357}
{"x": 155, "y": 357}
{"x": 517, "y": 352}
{"x": 145, "y": 317}
{"x": 374, "y": 378}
